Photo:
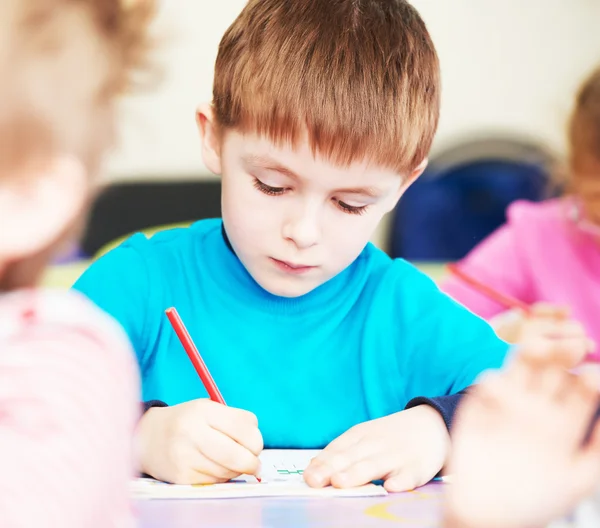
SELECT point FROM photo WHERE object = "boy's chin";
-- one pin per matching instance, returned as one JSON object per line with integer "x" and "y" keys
{"x": 288, "y": 288}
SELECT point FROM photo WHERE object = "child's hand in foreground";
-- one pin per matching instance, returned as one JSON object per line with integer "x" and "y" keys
{"x": 406, "y": 450}
{"x": 198, "y": 442}
{"x": 555, "y": 333}
{"x": 518, "y": 458}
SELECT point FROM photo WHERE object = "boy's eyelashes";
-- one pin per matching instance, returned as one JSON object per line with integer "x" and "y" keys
{"x": 351, "y": 209}
{"x": 277, "y": 191}
{"x": 267, "y": 189}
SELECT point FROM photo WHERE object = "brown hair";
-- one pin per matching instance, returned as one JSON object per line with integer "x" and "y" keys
{"x": 584, "y": 145}
{"x": 360, "y": 76}
{"x": 62, "y": 62}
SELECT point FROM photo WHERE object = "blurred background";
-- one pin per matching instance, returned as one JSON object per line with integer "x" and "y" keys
{"x": 509, "y": 71}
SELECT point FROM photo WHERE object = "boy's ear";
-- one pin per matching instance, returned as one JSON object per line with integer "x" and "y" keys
{"x": 418, "y": 171}
{"x": 211, "y": 150}
{"x": 37, "y": 207}
{"x": 414, "y": 174}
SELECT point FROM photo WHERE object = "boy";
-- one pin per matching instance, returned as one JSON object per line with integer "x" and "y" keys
{"x": 65, "y": 441}
{"x": 323, "y": 114}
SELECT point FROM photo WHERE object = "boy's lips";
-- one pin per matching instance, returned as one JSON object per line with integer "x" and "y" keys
{"x": 291, "y": 267}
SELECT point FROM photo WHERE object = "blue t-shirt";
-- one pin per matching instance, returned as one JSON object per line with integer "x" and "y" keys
{"x": 357, "y": 348}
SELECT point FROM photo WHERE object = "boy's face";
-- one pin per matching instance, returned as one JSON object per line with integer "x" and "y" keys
{"x": 295, "y": 220}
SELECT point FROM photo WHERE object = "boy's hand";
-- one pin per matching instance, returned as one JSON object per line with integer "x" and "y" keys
{"x": 406, "y": 450}
{"x": 198, "y": 442}
{"x": 552, "y": 330}
{"x": 518, "y": 458}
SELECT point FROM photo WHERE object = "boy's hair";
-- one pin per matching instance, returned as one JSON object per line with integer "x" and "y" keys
{"x": 361, "y": 77}
{"x": 584, "y": 131}
{"x": 61, "y": 64}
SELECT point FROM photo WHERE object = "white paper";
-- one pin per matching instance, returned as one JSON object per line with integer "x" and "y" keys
{"x": 281, "y": 474}
{"x": 285, "y": 465}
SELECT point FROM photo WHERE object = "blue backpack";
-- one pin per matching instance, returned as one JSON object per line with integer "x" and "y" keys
{"x": 462, "y": 197}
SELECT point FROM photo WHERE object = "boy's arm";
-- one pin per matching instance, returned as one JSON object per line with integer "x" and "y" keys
{"x": 443, "y": 346}
{"x": 119, "y": 284}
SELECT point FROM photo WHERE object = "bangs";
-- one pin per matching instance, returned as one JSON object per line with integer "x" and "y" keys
{"x": 361, "y": 79}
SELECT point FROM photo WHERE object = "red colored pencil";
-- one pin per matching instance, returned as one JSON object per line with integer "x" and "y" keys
{"x": 194, "y": 355}
{"x": 502, "y": 298}
{"x": 192, "y": 352}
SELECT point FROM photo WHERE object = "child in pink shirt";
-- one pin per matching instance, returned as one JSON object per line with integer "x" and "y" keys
{"x": 548, "y": 253}
{"x": 68, "y": 384}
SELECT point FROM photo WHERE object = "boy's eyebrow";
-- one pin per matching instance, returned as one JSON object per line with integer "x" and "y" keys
{"x": 270, "y": 164}
{"x": 366, "y": 191}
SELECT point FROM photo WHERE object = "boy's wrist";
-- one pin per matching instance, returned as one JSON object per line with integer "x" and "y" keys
{"x": 144, "y": 434}
{"x": 439, "y": 429}
{"x": 446, "y": 406}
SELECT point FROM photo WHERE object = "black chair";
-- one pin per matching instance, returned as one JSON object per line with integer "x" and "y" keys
{"x": 124, "y": 208}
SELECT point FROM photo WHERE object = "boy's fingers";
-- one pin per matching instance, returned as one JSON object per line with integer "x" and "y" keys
{"x": 330, "y": 461}
{"x": 192, "y": 467}
{"x": 361, "y": 472}
{"x": 335, "y": 457}
{"x": 226, "y": 452}
{"x": 318, "y": 474}
{"x": 206, "y": 471}
{"x": 239, "y": 425}
{"x": 403, "y": 481}
{"x": 191, "y": 476}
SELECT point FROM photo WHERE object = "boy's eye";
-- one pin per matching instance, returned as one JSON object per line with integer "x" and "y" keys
{"x": 351, "y": 209}
{"x": 267, "y": 189}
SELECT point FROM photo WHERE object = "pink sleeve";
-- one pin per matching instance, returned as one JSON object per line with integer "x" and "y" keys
{"x": 67, "y": 414}
{"x": 497, "y": 263}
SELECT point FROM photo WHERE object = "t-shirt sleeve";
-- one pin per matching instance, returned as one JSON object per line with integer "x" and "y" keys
{"x": 444, "y": 346}
{"x": 118, "y": 283}
{"x": 495, "y": 262}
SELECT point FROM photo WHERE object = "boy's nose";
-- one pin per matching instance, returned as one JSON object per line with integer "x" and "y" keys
{"x": 303, "y": 230}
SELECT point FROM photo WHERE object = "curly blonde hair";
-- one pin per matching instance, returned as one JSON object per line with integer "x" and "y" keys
{"x": 62, "y": 65}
